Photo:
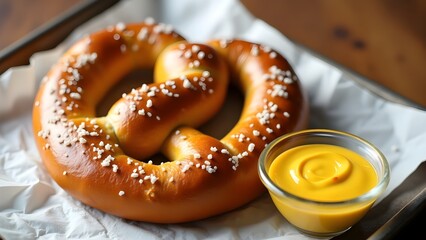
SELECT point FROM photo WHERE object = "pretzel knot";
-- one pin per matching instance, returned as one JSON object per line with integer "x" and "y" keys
{"x": 104, "y": 161}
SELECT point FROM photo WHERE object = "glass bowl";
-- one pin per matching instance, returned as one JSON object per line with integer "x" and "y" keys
{"x": 325, "y": 214}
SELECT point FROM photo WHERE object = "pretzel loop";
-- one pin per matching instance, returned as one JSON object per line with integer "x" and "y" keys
{"x": 187, "y": 90}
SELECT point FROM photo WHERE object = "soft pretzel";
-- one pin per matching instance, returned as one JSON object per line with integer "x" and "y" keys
{"x": 104, "y": 161}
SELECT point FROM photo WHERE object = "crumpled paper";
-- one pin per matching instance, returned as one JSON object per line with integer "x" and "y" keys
{"x": 33, "y": 206}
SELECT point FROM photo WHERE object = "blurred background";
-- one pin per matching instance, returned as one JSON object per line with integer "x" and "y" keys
{"x": 383, "y": 41}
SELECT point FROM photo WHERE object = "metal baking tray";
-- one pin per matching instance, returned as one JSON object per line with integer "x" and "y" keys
{"x": 399, "y": 214}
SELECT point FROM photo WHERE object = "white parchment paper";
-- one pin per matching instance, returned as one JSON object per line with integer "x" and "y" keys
{"x": 33, "y": 206}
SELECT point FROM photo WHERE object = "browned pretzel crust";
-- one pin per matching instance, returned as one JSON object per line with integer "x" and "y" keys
{"x": 104, "y": 161}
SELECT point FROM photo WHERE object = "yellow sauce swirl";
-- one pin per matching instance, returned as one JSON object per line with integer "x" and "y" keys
{"x": 323, "y": 172}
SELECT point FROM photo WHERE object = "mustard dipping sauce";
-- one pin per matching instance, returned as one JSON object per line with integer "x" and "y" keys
{"x": 322, "y": 173}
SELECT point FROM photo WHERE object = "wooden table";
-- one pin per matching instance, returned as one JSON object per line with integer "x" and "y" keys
{"x": 383, "y": 40}
{"x": 19, "y": 17}
{"x": 28, "y": 26}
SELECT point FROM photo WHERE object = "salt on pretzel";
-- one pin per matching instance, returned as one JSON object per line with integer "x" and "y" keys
{"x": 103, "y": 161}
